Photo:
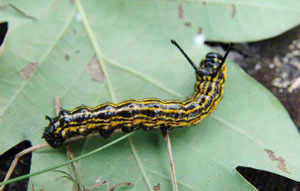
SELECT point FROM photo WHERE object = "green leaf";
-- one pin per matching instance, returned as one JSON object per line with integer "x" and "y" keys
{"x": 50, "y": 57}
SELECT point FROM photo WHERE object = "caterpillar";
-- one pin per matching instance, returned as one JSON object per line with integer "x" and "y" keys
{"x": 3, "y": 34}
{"x": 147, "y": 113}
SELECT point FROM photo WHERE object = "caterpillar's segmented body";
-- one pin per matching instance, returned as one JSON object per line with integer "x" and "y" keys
{"x": 147, "y": 113}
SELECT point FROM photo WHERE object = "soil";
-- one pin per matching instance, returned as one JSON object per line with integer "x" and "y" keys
{"x": 275, "y": 63}
{"x": 23, "y": 166}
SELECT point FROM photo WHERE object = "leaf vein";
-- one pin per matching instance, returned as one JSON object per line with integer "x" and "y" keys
{"x": 138, "y": 159}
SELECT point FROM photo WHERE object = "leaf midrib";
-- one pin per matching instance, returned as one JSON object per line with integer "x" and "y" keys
{"x": 102, "y": 63}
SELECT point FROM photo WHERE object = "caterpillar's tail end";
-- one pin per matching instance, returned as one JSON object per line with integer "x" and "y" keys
{"x": 55, "y": 140}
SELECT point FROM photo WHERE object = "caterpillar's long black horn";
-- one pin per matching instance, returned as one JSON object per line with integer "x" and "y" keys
{"x": 185, "y": 55}
{"x": 226, "y": 54}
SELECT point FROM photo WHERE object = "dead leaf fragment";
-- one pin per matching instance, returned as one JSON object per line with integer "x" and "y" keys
{"x": 157, "y": 187}
{"x": 94, "y": 69}
{"x": 199, "y": 30}
{"x": 233, "y": 10}
{"x": 119, "y": 184}
{"x": 29, "y": 69}
{"x": 188, "y": 24}
{"x": 67, "y": 57}
{"x": 281, "y": 165}
{"x": 180, "y": 11}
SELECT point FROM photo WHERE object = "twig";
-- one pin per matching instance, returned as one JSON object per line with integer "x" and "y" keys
{"x": 57, "y": 104}
{"x": 166, "y": 136}
{"x": 98, "y": 185}
{"x": 77, "y": 172}
{"x": 74, "y": 166}
{"x": 172, "y": 165}
{"x": 41, "y": 146}
{"x": 119, "y": 184}
{"x": 18, "y": 156}
{"x": 69, "y": 177}
{"x": 19, "y": 11}
{"x": 34, "y": 148}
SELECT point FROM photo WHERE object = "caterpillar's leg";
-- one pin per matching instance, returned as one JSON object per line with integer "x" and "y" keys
{"x": 105, "y": 133}
{"x": 164, "y": 130}
{"x": 146, "y": 128}
{"x": 127, "y": 129}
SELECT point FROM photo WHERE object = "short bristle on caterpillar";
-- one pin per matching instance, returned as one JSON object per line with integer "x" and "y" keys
{"x": 147, "y": 113}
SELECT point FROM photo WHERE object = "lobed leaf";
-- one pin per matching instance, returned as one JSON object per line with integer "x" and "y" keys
{"x": 52, "y": 56}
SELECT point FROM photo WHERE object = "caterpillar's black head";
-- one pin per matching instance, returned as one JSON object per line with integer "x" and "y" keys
{"x": 53, "y": 139}
{"x": 209, "y": 66}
